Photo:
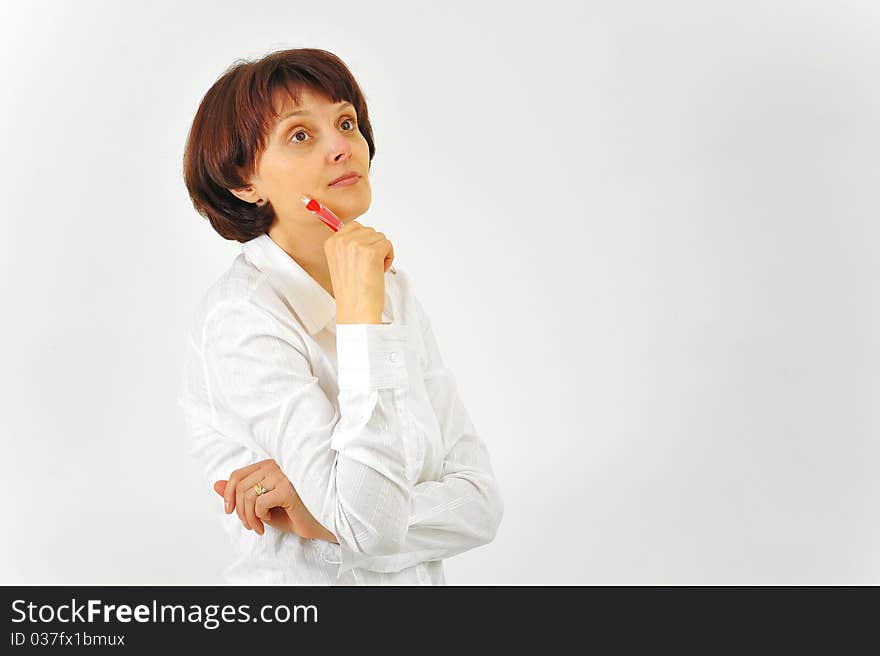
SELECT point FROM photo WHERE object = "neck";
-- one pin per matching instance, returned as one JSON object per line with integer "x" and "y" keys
{"x": 305, "y": 245}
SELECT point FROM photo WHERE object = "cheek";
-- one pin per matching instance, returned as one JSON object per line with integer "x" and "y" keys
{"x": 294, "y": 172}
{"x": 362, "y": 148}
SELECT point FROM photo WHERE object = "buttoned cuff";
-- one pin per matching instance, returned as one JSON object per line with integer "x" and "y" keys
{"x": 371, "y": 355}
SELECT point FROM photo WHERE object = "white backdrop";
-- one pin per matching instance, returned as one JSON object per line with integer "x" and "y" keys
{"x": 645, "y": 233}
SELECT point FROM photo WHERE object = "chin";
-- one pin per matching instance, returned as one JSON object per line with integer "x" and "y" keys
{"x": 353, "y": 205}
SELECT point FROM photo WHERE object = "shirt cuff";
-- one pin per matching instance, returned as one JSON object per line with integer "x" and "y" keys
{"x": 371, "y": 355}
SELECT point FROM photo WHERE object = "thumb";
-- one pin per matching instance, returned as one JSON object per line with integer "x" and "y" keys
{"x": 220, "y": 487}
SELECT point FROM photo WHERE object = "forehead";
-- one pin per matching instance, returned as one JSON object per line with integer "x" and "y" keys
{"x": 285, "y": 100}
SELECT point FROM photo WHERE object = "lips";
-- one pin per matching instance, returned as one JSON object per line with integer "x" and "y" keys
{"x": 345, "y": 176}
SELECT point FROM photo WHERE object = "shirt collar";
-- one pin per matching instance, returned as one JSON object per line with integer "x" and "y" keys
{"x": 311, "y": 302}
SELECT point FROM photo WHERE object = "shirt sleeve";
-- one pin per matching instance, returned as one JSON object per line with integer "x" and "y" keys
{"x": 348, "y": 465}
{"x": 464, "y": 508}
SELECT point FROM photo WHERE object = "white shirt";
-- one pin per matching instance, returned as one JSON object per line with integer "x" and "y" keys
{"x": 364, "y": 419}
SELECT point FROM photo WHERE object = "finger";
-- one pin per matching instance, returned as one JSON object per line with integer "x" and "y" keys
{"x": 263, "y": 476}
{"x": 241, "y": 487}
{"x": 389, "y": 259}
{"x": 241, "y": 499}
{"x": 219, "y": 487}
{"x": 383, "y": 248}
{"x": 229, "y": 494}
{"x": 372, "y": 237}
{"x": 275, "y": 496}
{"x": 350, "y": 227}
{"x": 239, "y": 504}
{"x": 376, "y": 249}
{"x": 265, "y": 502}
{"x": 363, "y": 234}
{"x": 249, "y": 501}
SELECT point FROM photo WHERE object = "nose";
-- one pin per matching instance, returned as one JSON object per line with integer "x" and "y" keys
{"x": 340, "y": 149}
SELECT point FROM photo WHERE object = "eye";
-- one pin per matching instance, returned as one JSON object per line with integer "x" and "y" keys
{"x": 347, "y": 119}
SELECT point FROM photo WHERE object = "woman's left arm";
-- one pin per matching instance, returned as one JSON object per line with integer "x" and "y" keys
{"x": 463, "y": 509}
{"x": 459, "y": 512}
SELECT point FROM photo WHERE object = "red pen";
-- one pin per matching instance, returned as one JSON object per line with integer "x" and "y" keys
{"x": 323, "y": 212}
{"x": 327, "y": 216}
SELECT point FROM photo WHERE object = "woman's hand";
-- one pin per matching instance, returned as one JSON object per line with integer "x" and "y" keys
{"x": 389, "y": 259}
{"x": 280, "y": 506}
{"x": 358, "y": 257}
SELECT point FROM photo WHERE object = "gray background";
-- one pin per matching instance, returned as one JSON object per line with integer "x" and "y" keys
{"x": 643, "y": 232}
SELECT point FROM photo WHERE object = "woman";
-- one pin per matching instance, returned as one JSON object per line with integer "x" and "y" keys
{"x": 314, "y": 390}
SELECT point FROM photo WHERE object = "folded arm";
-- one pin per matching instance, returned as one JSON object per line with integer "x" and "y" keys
{"x": 464, "y": 508}
{"x": 347, "y": 465}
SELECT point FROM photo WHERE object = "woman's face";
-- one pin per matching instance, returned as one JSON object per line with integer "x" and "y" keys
{"x": 305, "y": 152}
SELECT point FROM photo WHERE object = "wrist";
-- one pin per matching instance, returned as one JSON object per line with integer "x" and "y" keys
{"x": 363, "y": 317}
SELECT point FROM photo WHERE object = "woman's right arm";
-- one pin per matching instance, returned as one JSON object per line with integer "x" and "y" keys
{"x": 349, "y": 467}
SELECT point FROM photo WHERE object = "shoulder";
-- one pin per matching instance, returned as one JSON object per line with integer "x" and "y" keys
{"x": 234, "y": 284}
{"x": 242, "y": 302}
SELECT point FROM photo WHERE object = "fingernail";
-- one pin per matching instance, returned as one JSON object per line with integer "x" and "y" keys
{"x": 227, "y": 506}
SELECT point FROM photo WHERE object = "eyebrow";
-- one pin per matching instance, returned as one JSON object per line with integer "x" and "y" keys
{"x": 302, "y": 112}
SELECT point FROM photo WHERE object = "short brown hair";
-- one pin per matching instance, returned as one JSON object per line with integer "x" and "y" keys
{"x": 233, "y": 122}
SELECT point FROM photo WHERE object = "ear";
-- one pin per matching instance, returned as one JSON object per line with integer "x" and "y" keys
{"x": 247, "y": 194}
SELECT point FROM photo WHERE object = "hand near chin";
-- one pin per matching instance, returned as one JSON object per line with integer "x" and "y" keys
{"x": 279, "y": 506}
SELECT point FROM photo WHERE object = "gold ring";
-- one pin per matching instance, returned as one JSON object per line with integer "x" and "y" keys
{"x": 259, "y": 489}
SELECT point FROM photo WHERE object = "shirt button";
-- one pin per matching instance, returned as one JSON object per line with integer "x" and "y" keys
{"x": 393, "y": 356}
